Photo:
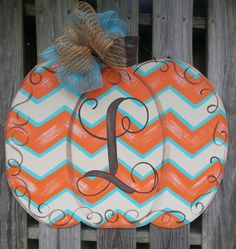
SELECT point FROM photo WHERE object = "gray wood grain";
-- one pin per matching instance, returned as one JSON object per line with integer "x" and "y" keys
{"x": 128, "y": 11}
{"x": 144, "y": 18}
{"x": 116, "y": 238}
{"x": 169, "y": 238}
{"x": 48, "y": 237}
{"x": 172, "y": 36}
{"x": 53, "y": 238}
{"x": 219, "y": 229}
{"x": 90, "y": 234}
{"x": 68, "y": 238}
{"x": 50, "y": 18}
{"x": 13, "y": 226}
{"x": 172, "y": 29}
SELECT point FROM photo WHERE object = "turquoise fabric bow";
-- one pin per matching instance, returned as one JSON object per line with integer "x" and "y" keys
{"x": 81, "y": 82}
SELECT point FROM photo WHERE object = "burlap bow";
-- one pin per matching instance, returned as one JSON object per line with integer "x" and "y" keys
{"x": 88, "y": 40}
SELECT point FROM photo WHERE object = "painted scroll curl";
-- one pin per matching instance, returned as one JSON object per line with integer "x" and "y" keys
{"x": 111, "y": 137}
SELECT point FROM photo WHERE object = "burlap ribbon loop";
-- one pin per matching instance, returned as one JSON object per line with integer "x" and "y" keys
{"x": 87, "y": 39}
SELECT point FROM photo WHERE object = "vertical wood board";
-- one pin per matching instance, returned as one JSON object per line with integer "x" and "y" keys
{"x": 171, "y": 36}
{"x": 172, "y": 29}
{"x": 219, "y": 229}
{"x": 13, "y": 223}
{"x": 50, "y": 18}
{"x": 116, "y": 238}
{"x": 128, "y": 11}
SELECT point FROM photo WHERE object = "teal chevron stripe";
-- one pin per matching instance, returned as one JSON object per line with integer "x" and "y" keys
{"x": 160, "y": 64}
{"x": 40, "y": 68}
{"x": 44, "y": 97}
{"x": 123, "y": 194}
{"x": 138, "y": 124}
{"x": 82, "y": 171}
{"x": 184, "y": 151}
{"x": 186, "y": 123}
{"x": 88, "y": 124}
{"x": 128, "y": 167}
{"x": 170, "y": 140}
{"x": 118, "y": 211}
{"x": 182, "y": 97}
{"x": 125, "y": 94}
{"x": 90, "y": 155}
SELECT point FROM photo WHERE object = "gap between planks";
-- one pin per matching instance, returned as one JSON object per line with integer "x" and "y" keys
{"x": 90, "y": 234}
{"x": 144, "y": 18}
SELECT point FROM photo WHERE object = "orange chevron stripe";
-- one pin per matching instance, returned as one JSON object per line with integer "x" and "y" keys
{"x": 43, "y": 137}
{"x": 190, "y": 190}
{"x": 169, "y": 176}
{"x": 55, "y": 183}
{"x": 134, "y": 88}
{"x": 157, "y": 81}
{"x": 89, "y": 186}
{"x": 42, "y": 190}
{"x": 48, "y": 83}
{"x": 66, "y": 221}
{"x": 193, "y": 141}
{"x": 117, "y": 221}
{"x": 168, "y": 220}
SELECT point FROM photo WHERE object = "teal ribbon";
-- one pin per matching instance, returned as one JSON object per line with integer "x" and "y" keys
{"x": 78, "y": 82}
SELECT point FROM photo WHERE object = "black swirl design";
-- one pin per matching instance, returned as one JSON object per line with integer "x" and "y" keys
{"x": 211, "y": 109}
{"x": 166, "y": 217}
{"x": 111, "y": 213}
{"x": 111, "y": 137}
{"x": 21, "y": 190}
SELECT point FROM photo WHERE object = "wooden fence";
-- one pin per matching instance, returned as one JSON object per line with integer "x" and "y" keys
{"x": 199, "y": 32}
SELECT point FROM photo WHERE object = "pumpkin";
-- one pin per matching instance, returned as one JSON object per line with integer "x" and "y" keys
{"x": 146, "y": 148}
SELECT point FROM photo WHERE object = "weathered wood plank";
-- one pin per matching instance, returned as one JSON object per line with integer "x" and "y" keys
{"x": 172, "y": 36}
{"x": 198, "y": 22}
{"x": 90, "y": 234}
{"x": 116, "y": 238}
{"x": 169, "y": 238}
{"x": 48, "y": 237}
{"x": 68, "y": 238}
{"x": 13, "y": 223}
{"x": 172, "y": 29}
{"x": 144, "y": 18}
{"x": 50, "y": 18}
{"x": 128, "y": 10}
{"x": 59, "y": 238}
{"x": 219, "y": 229}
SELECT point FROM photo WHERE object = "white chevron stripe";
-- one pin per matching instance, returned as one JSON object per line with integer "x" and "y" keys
{"x": 61, "y": 203}
{"x": 193, "y": 165}
{"x": 43, "y": 165}
{"x": 193, "y": 115}
{"x": 41, "y": 111}
{"x": 191, "y": 212}
{"x": 63, "y": 98}
{"x": 163, "y": 200}
{"x": 167, "y": 100}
